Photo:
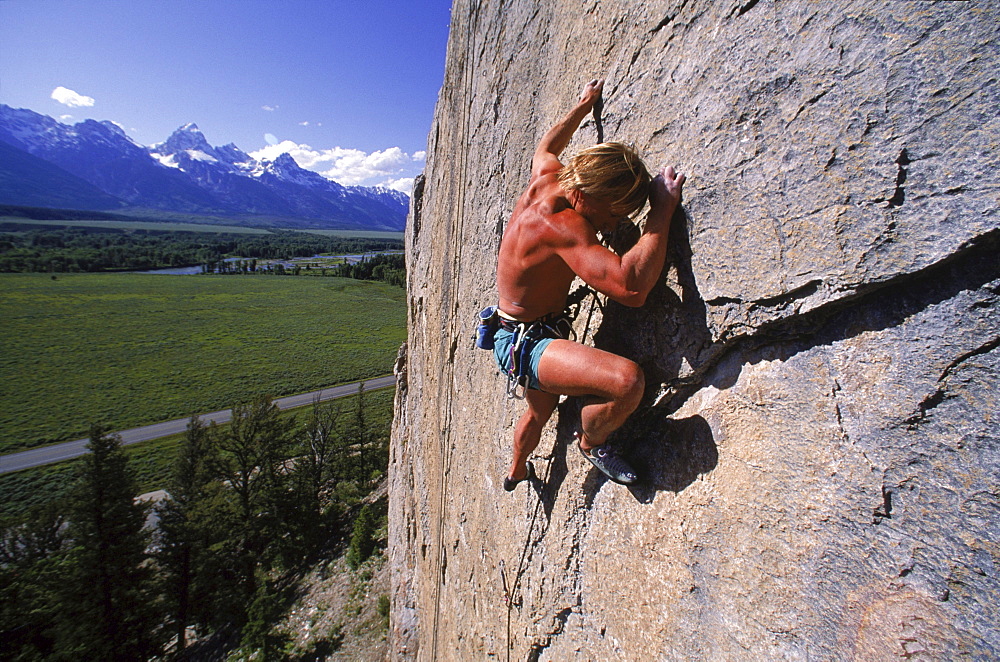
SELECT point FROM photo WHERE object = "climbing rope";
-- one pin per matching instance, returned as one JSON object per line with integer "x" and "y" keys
{"x": 574, "y": 301}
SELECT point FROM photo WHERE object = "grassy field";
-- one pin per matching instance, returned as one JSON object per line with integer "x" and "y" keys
{"x": 133, "y": 225}
{"x": 153, "y": 461}
{"x": 181, "y": 226}
{"x": 131, "y": 349}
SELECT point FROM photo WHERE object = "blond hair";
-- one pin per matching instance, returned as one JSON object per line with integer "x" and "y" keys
{"x": 612, "y": 172}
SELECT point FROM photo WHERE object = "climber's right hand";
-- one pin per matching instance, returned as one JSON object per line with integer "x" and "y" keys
{"x": 592, "y": 92}
{"x": 665, "y": 191}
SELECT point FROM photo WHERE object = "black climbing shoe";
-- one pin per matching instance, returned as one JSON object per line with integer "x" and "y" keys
{"x": 611, "y": 464}
{"x": 509, "y": 483}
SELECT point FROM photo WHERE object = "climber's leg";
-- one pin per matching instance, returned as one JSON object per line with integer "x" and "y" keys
{"x": 612, "y": 386}
{"x": 529, "y": 430}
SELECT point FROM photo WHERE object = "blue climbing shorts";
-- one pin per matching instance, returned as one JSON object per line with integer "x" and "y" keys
{"x": 502, "y": 341}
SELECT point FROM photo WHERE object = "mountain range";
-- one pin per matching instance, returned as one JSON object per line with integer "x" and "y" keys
{"x": 95, "y": 165}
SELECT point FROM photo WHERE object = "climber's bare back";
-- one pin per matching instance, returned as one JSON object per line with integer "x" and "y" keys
{"x": 532, "y": 278}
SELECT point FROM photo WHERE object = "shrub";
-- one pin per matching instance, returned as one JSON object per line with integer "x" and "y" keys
{"x": 362, "y": 538}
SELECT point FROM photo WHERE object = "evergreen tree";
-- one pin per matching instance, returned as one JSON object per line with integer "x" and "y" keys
{"x": 317, "y": 468}
{"x": 265, "y": 610}
{"x": 251, "y": 461}
{"x": 182, "y": 543}
{"x": 107, "y": 598}
{"x": 360, "y": 434}
{"x": 31, "y": 551}
{"x": 219, "y": 588}
{"x": 362, "y": 538}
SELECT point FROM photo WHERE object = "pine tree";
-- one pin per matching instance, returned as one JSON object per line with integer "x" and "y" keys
{"x": 251, "y": 461}
{"x": 107, "y": 596}
{"x": 361, "y": 433}
{"x": 264, "y": 611}
{"x": 362, "y": 538}
{"x": 319, "y": 459}
{"x": 316, "y": 471}
{"x": 182, "y": 544}
{"x": 31, "y": 552}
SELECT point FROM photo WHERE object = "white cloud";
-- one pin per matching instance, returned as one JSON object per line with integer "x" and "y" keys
{"x": 403, "y": 185}
{"x": 389, "y": 167}
{"x": 70, "y": 98}
{"x": 354, "y": 166}
{"x": 65, "y": 118}
{"x": 275, "y": 149}
{"x": 303, "y": 123}
{"x": 420, "y": 156}
{"x": 269, "y": 109}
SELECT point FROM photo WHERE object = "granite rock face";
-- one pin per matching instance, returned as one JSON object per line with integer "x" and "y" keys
{"x": 820, "y": 428}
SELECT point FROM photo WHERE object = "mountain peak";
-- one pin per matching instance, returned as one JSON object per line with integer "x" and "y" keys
{"x": 185, "y": 138}
{"x": 286, "y": 167}
{"x": 103, "y": 131}
{"x": 232, "y": 154}
{"x": 184, "y": 173}
{"x": 285, "y": 160}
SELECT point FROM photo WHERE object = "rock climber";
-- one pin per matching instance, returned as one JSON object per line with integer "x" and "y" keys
{"x": 552, "y": 238}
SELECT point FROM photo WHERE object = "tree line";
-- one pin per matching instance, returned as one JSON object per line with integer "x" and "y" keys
{"x": 385, "y": 267}
{"x": 108, "y": 249}
{"x": 246, "y": 507}
{"x": 389, "y": 268}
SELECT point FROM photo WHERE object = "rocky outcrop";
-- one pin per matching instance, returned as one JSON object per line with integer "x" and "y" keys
{"x": 820, "y": 429}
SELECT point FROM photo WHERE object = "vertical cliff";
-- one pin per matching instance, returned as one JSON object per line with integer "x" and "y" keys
{"x": 820, "y": 430}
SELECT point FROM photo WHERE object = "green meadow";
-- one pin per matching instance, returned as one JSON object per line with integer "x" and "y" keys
{"x": 43, "y": 224}
{"x": 131, "y": 349}
{"x": 154, "y": 224}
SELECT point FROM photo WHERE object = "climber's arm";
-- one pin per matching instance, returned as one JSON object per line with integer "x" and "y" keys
{"x": 627, "y": 279}
{"x": 552, "y": 144}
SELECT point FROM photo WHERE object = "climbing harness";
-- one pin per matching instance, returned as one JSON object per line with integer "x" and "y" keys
{"x": 553, "y": 325}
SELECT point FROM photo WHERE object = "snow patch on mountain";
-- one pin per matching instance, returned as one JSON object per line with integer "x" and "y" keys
{"x": 167, "y": 160}
{"x": 186, "y": 173}
{"x": 199, "y": 155}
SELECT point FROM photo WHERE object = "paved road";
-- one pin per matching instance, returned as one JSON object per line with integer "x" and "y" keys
{"x": 59, "y": 452}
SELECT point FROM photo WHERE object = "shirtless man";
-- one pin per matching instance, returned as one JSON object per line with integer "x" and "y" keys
{"x": 552, "y": 238}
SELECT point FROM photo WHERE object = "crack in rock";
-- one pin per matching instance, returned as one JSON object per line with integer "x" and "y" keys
{"x": 971, "y": 267}
{"x": 940, "y": 394}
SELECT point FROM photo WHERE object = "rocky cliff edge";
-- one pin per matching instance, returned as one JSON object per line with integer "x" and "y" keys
{"x": 820, "y": 428}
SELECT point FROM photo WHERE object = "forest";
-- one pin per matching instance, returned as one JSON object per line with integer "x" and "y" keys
{"x": 26, "y": 248}
{"x": 389, "y": 268}
{"x": 101, "y": 576}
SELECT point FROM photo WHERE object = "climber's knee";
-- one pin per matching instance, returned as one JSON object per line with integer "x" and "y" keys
{"x": 629, "y": 386}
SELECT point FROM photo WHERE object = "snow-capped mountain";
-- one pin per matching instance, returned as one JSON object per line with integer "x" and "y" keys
{"x": 382, "y": 194}
{"x": 185, "y": 173}
{"x": 100, "y": 153}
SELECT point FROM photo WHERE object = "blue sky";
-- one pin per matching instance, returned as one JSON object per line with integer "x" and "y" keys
{"x": 346, "y": 86}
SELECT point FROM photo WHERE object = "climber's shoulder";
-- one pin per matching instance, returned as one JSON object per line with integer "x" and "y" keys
{"x": 545, "y": 213}
{"x": 544, "y": 163}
